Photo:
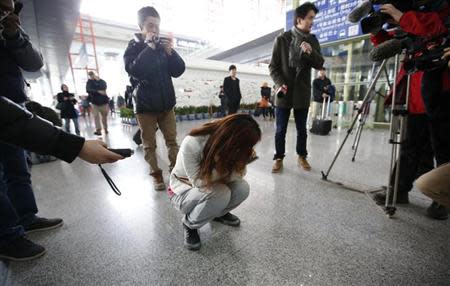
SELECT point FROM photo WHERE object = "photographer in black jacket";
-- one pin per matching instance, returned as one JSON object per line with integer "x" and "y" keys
{"x": 151, "y": 62}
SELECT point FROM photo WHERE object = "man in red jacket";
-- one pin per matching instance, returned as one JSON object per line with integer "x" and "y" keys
{"x": 417, "y": 155}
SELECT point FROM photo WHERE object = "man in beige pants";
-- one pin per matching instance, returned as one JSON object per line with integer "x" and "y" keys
{"x": 151, "y": 63}
{"x": 96, "y": 88}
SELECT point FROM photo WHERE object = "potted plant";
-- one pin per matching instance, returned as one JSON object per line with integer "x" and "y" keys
{"x": 191, "y": 112}
{"x": 198, "y": 112}
{"x": 177, "y": 114}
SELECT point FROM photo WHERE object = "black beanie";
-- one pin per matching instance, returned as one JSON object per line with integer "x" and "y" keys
{"x": 145, "y": 12}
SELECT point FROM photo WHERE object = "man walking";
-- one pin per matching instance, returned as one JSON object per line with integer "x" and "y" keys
{"x": 96, "y": 88}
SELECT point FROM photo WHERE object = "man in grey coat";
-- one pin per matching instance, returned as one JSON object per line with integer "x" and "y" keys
{"x": 295, "y": 52}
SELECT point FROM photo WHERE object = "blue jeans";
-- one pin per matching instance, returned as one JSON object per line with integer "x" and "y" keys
{"x": 17, "y": 203}
{"x": 282, "y": 119}
{"x": 75, "y": 122}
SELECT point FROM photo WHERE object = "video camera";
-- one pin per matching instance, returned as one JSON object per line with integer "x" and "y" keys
{"x": 372, "y": 20}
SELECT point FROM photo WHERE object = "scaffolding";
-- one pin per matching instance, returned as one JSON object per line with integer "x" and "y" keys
{"x": 86, "y": 58}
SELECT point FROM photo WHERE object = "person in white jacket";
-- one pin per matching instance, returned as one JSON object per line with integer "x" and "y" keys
{"x": 207, "y": 180}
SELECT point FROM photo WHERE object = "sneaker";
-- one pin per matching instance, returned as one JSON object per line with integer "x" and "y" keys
{"x": 304, "y": 163}
{"x": 191, "y": 238}
{"x": 277, "y": 166}
{"x": 380, "y": 198}
{"x": 98, "y": 133}
{"x": 437, "y": 211}
{"x": 21, "y": 249}
{"x": 43, "y": 224}
{"x": 229, "y": 219}
{"x": 158, "y": 182}
{"x": 106, "y": 131}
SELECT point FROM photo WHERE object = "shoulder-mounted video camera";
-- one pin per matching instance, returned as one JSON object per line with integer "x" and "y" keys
{"x": 372, "y": 19}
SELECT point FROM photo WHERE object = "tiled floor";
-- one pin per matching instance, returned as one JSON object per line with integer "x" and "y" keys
{"x": 296, "y": 229}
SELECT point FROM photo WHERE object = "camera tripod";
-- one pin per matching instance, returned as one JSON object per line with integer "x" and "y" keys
{"x": 365, "y": 113}
{"x": 397, "y": 134}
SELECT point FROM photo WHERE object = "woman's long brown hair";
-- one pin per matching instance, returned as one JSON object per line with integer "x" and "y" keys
{"x": 229, "y": 147}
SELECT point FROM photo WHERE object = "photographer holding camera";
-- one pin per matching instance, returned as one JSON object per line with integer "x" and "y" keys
{"x": 152, "y": 62}
{"x": 295, "y": 52}
{"x": 16, "y": 53}
{"x": 427, "y": 24}
{"x": 17, "y": 202}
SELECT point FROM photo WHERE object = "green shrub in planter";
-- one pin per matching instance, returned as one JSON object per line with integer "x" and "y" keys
{"x": 126, "y": 113}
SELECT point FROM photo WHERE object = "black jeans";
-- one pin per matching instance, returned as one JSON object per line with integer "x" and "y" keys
{"x": 282, "y": 119}
{"x": 417, "y": 156}
{"x": 17, "y": 202}
{"x": 437, "y": 103}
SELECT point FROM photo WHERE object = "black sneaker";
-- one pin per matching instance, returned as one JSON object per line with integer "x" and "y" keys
{"x": 380, "y": 198}
{"x": 437, "y": 211}
{"x": 42, "y": 224}
{"x": 98, "y": 133}
{"x": 229, "y": 219}
{"x": 191, "y": 238}
{"x": 21, "y": 249}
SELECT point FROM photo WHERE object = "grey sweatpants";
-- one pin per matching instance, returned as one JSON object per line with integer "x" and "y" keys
{"x": 200, "y": 206}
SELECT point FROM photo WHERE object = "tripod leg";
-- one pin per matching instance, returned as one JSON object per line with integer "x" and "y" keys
{"x": 367, "y": 98}
{"x": 359, "y": 136}
{"x": 358, "y": 130}
{"x": 396, "y": 131}
{"x": 325, "y": 175}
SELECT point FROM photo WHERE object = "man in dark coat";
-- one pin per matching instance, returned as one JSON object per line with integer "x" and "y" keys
{"x": 295, "y": 52}
{"x": 322, "y": 89}
{"x": 232, "y": 90}
{"x": 151, "y": 62}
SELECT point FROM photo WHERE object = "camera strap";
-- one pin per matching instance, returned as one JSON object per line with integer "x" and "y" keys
{"x": 110, "y": 181}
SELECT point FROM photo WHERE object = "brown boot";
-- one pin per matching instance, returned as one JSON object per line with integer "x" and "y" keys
{"x": 158, "y": 181}
{"x": 277, "y": 166}
{"x": 304, "y": 163}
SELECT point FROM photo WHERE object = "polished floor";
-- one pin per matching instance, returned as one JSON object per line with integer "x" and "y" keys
{"x": 296, "y": 229}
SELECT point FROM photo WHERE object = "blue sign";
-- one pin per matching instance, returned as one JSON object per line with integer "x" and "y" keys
{"x": 331, "y": 22}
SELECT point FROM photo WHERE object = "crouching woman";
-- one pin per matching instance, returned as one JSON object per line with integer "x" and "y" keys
{"x": 207, "y": 181}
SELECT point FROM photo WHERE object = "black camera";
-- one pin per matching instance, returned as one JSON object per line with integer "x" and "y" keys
{"x": 160, "y": 40}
